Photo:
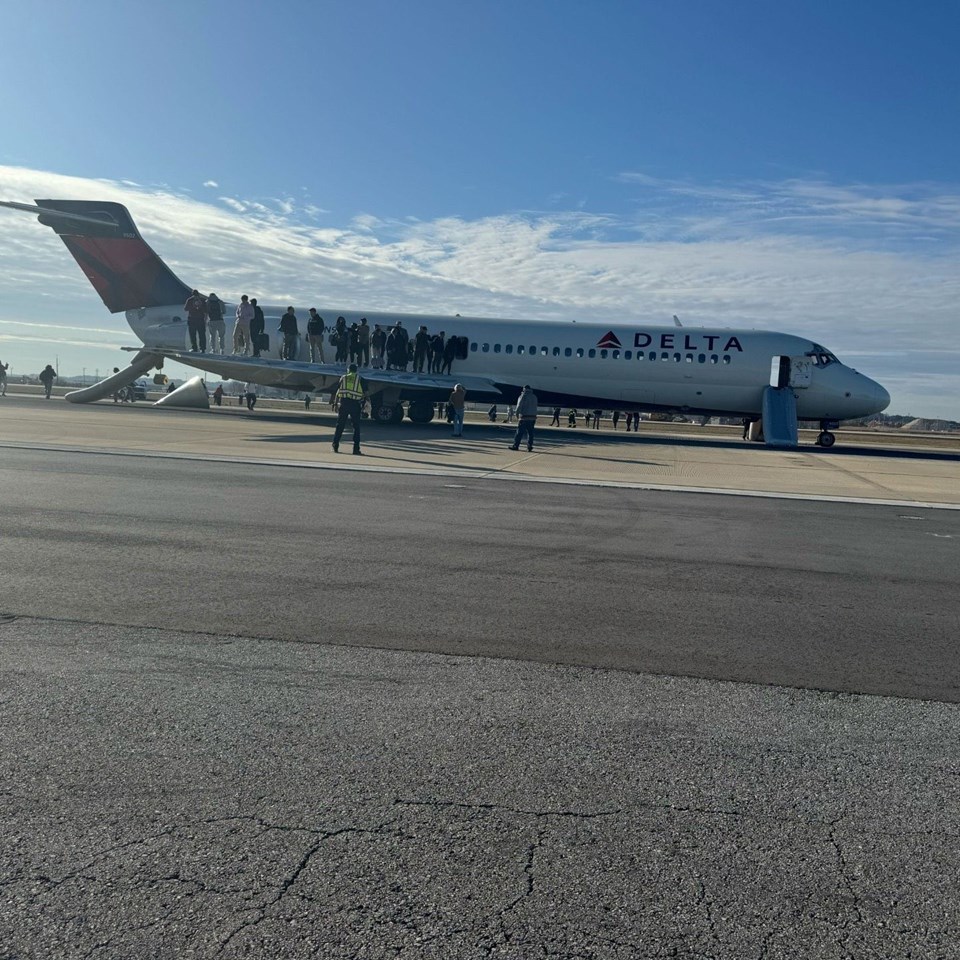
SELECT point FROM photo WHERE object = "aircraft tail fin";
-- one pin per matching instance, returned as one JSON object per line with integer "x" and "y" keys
{"x": 106, "y": 244}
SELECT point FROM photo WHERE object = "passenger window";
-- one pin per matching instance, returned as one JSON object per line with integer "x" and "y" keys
{"x": 579, "y": 351}
{"x": 486, "y": 348}
{"x": 473, "y": 347}
{"x": 556, "y": 351}
{"x": 714, "y": 358}
{"x": 508, "y": 348}
{"x": 544, "y": 351}
{"x": 496, "y": 348}
{"x": 653, "y": 354}
{"x": 726, "y": 358}
{"x": 520, "y": 348}
{"x": 676, "y": 358}
{"x": 615, "y": 354}
{"x": 603, "y": 354}
{"x": 591, "y": 353}
{"x": 627, "y": 354}
{"x": 533, "y": 350}
{"x": 568, "y": 352}
{"x": 664, "y": 356}
{"x": 702, "y": 358}
{"x": 689, "y": 358}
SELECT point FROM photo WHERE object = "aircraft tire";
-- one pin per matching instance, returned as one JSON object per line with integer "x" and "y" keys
{"x": 421, "y": 411}
{"x": 388, "y": 413}
{"x": 826, "y": 439}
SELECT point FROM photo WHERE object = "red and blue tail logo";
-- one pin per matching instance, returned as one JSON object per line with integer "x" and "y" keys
{"x": 609, "y": 340}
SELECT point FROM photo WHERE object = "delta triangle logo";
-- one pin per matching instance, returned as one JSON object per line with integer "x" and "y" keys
{"x": 608, "y": 340}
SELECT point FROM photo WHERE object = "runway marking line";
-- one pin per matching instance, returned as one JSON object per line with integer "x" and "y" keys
{"x": 474, "y": 473}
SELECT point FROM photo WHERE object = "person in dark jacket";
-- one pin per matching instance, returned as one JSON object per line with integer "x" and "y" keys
{"x": 196, "y": 309}
{"x": 341, "y": 340}
{"x": 216, "y": 324}
{"x": 436, "y": 352}
{"x": 352, "y": 340}
{"x": 526, "y": 418}
{"x": 315, "y": 331}
{"x": 291, "y": 335}
{"x": 363, "y": 343}
{"x": 378, "y": 340}
{"x": 48, "y": 376}
{"x": 421, "y": 344}
{"x": 257, "y": 326}
{"x": 449, "y": 352}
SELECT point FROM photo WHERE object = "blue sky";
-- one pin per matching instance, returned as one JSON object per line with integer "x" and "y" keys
{"x": 791, "y": 166}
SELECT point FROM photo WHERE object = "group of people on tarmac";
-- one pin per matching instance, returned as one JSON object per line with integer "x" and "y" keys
{"x": 390, "y": 348}
{"x": 352, "y": 393}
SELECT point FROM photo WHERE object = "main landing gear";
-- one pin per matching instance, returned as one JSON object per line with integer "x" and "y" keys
{"x": 387, "y": 412}
{"x": 421, "y": 411}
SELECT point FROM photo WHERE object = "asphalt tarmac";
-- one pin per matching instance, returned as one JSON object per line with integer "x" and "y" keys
{"x": 268, "y": 711}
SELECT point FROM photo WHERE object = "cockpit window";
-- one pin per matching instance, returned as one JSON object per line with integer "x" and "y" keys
{"x": 821, "y": 356}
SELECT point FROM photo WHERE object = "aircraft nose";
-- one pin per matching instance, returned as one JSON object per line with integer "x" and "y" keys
{"x": 880, "y": 396}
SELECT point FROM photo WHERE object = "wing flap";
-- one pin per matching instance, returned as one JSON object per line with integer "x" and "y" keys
{"x": 298, "y": 375}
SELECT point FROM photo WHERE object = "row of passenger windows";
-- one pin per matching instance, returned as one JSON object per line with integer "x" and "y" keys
{"x": 590, "y": 354}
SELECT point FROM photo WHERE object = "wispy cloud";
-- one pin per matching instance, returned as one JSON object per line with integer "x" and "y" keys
{"x": 871, "y": 272}
{"x": 211, "y": 183}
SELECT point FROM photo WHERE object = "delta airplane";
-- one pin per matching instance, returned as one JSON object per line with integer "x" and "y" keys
{"x": 772, "y": 379}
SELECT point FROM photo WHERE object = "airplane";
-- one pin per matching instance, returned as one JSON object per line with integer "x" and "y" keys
{"x": 770, "y": 379}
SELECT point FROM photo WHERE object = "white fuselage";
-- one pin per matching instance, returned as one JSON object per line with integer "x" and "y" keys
{"x": 626, "y": 366}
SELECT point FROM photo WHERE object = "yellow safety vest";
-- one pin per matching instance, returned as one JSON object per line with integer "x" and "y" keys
{"x": 350, "y": 387}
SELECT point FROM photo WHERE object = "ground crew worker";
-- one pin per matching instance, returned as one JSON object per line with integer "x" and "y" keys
{"x": 350, "y": 400}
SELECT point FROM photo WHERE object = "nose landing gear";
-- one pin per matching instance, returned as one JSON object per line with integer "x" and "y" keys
{"x": 827, "y": 439}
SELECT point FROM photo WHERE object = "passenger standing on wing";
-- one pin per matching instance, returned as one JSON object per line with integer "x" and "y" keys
{"x": 257, "y": 325}
{"x": 436, "y": 352}
{"x": 340, "y": 340}
{"x": 291, "y": 335}
{"x": 352, "y": 335}
{"x": 379, "y": 340}
{"x": 363, "y": 343}
{"x": 350, "y": 400}
{"x": 421, "y": 344}
{"x": 449, "y": 352}
{"x": 241, "y": 329}
{"x": 218, "y": 329}
{"x": 527, "y": 416}
{"x": 457, "y": 400}
{"x": 47, "y": 377}
{"x": 196, "y": 309}
{"x": 393, "y": 343}
{"x": 403, "y": 353}
{"x": 315, "y": 331}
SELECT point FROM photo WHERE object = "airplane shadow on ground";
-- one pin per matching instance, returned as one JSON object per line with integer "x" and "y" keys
{"x": 402, "y": 435}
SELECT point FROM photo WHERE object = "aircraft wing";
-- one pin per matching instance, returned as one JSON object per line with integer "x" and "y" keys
{"x": 299, "y": 375}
